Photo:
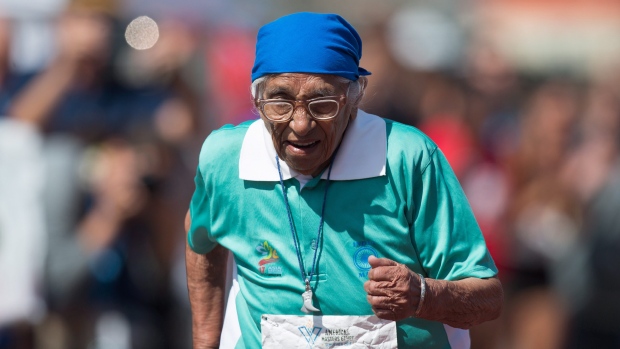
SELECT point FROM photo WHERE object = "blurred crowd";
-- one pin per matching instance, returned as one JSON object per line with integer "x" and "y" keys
{"x": 98, "y": 150}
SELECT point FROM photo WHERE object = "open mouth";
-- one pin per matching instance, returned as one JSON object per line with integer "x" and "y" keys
{"x": 303, "y": 145}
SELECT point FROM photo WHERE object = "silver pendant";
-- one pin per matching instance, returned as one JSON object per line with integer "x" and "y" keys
{"x": 307, "y": 306}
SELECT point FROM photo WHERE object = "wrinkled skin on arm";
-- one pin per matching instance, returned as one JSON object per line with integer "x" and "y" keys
{"x": 393, "y": 291}
{"x": 206, "y": 282}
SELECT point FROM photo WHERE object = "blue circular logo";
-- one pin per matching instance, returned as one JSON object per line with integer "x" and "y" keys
{"x": 360, "y": 258}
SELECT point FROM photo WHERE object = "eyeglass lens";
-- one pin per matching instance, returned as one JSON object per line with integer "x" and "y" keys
{"x": 319, "y": 109}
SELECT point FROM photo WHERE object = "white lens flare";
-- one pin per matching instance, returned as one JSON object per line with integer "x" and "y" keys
{"x": 142, "y": 33}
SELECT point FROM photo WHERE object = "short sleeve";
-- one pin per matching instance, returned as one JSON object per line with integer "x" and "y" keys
{"x": 448, "y": 239}
{"x": 198, "y": 235}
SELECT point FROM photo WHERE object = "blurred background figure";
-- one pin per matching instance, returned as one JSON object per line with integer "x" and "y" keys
{"x": 592, "y": 173}
{"x": 114, "y": 182}
{"x": 99, "y": 143}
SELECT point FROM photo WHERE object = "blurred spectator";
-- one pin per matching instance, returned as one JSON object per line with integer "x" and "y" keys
{"x": 165, "y": 68}
{"x": 543, "y": 216}
{"x": 174, "y": 142}
{"x": 495, "y": 95}
{"x": 112, "y": 195}
{"x": 588, "y": 279}
{"x": 584, "y": 277}
{"x": 394, "y": 91}
{"x": 109, "y": 254}
{"x": 590, "y": 161}
{"x": 77, "y": 93}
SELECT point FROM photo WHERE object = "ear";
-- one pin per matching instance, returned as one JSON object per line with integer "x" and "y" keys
{"x": 363, "y": 82}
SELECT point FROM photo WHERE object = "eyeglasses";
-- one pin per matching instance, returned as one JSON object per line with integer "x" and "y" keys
{"x": 281, "y": 110}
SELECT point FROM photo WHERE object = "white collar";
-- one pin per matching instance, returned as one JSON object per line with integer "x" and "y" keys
{"x": 362, "y": 154}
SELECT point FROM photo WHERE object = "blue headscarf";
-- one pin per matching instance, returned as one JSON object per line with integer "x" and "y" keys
{"x": 309, "y": 43}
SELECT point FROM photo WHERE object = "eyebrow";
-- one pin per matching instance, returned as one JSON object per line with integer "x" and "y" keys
{"x": 277, "y": 90}
{"x": 285, "y": 91}
{"x": 321, "y": 92}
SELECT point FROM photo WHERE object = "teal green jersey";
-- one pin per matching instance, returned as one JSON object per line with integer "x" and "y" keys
{"x": 414, "y": 212}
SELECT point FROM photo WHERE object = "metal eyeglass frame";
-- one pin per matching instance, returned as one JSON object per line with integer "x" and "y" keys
{"x": 295, "y": 103}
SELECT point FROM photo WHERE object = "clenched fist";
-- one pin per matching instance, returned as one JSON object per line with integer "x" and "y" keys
{"x": 393, "y": 289}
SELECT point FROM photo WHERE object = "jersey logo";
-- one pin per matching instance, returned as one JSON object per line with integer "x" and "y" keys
{"x": 360, "y": 257}
{"x": 266, "y": 265}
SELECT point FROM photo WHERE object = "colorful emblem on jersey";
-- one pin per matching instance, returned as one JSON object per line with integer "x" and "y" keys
{"x": 266, "y": 265}
{"x": 360, "y": 257}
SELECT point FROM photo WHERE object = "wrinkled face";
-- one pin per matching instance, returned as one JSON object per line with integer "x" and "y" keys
{"x": 306, "y": 144}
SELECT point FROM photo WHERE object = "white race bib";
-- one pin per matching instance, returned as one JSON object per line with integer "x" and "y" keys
{"x": 322, "y": 332}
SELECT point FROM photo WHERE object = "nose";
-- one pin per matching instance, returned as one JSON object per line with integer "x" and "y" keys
{"x": 301, "y": 123}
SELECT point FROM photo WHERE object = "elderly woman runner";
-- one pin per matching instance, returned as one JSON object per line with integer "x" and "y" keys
{"x": 348, "y": 230}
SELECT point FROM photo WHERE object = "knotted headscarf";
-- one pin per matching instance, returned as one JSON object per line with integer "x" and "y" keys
{"x": 306, "y": 42}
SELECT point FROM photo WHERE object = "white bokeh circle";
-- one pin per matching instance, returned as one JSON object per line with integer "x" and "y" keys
{"x": 142, "y": 33}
